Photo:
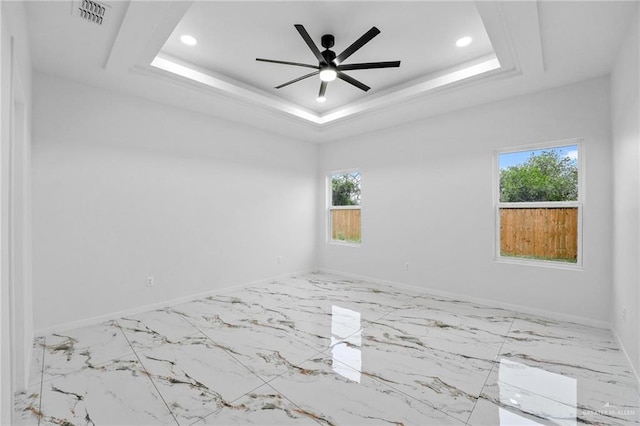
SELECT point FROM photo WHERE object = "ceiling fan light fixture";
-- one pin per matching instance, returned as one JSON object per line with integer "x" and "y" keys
{"x": 328, "y": 74}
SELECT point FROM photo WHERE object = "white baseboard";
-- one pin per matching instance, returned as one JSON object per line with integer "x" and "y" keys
{"x": 137, "y": 310}
{"x": 154, "y": 306}
{"x": 493, "y": 303}
{"x": 626, "y": 354}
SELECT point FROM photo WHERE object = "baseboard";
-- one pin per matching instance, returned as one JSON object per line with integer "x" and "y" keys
{"x": 138, "y": 310}
{"x": 60, "y": 328}
{"x": 626, "y": 354}
{"x": 493, "y": 303}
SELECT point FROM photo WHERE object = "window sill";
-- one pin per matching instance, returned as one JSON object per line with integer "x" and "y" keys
{"x": 344, "y": 244}
{"x": 539, "y": 263}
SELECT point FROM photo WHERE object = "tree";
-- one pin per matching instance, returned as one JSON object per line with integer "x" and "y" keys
{"x": 346, "y": 189}
{"x": 543, "y": 177}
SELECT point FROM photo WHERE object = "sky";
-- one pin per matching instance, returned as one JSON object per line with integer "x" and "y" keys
{"x": 514, "y": 158}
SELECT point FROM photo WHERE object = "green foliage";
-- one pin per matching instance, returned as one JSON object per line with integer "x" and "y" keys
{"x": 345, "y": 189}
{"x": 543, "y": 177}
{"x": 342, "y": 237}
{"x": 547, "y": 258}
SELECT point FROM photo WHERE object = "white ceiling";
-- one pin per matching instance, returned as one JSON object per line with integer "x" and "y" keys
{"x": 422, "y": 35}
{"x": 518, "y": 47}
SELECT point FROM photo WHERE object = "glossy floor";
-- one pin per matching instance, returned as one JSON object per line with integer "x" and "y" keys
{"x": 323, "y": 349}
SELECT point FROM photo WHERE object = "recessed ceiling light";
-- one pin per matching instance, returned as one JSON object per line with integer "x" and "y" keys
{"x": 188, "y": 40}
{"x": 463, "y": 41}
{"x": 321, "y": 98}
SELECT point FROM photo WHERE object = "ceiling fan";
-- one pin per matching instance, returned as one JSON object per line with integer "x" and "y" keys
{"x": 330, "y": 65}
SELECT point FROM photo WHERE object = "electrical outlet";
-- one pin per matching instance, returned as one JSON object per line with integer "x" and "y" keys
{"x": 406, "y": 266}
{"x": 150, "y": 281}
{"x": 624, "y": 313}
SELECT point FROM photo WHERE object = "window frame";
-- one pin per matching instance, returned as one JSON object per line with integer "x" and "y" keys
{"x": 331, "y": 207}
{"x": 579, "y": 203}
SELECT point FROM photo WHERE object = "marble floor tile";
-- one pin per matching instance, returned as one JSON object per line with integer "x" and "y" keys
{"x": 563, "y": 370}
{"x": 240, "y": 311}
{"x": 262, "y": 406}
{"x": 539, "y": 336}
{"x": 334, "y": 393}
{"x": 437, "y": 376}
{"x": 117, "y": 393}
{"x": 315, "y": 293}
{"x": 589, "y": 353}
{"x": 37, "y": 357}
{"x": 83, "y": 348}
{"x": 295, "y": 306}
{"x": 196, "y": 377}
{"x": 304, "y": 306}
{"x": 474, "y": 337}
{"x": 487, "y": 413}
{"x": 27, "y": 406}
{"x": 435, "y": 355}
{"x": 266, "y": 351}
{"x": 219, "y": 310}
{"x": 459, "y": 312}
{"x": 559, "y": 398}
{"x": 323, "y": 349}
{"x": 146, "y": 330}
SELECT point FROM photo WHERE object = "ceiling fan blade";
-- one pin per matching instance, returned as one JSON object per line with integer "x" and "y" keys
{"x": 307, "y": 38}
{"x": 366, "y": 38}
{"x": 273, "y": 61}
{"x": 351, "y": 80}
{"x": 323, "y": 89}
{"x": 369, "y": 65}
{"x": 295, "y": 80}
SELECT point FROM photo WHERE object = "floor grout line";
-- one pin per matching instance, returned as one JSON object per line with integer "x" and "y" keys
{"x": 265, "y": 382}
{"x": 392, "y": 311}
{"x": 400, "y": 390}
{"x": 383, "y": 383}
{"x": 44, "y": 353}
{"x": 292, "y": 401}
{"x": 147, "y": 373}
{"x": 506, "y": 336}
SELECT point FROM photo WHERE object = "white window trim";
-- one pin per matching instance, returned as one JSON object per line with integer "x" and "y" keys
{"x": 331, "y": 207}
{"x": 579, "y": 204}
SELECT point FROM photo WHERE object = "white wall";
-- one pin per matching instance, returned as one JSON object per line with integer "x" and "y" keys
{"x": 427, "y": 199}
{"x": 125, "y": 188}
{"x": 625, "y": 109}
{"x": 16, "y": 316}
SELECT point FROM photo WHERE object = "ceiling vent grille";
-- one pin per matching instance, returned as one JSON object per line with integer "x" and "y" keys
{"x": 91, "y": 11}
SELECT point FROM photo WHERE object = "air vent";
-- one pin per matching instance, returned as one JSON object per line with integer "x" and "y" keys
{"x": 91, "y": 11}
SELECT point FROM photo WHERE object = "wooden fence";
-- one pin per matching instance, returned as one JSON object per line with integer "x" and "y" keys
{"x": 345, "y": 225}
{"x": 542, "y": 233}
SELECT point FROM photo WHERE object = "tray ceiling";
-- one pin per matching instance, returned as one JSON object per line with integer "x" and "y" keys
{"x": 517, "y": 48}
{"x": 232, "y": 35}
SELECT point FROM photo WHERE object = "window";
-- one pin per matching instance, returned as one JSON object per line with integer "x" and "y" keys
{"x": 344, "y": 207}
{"x": 538, "y": 208}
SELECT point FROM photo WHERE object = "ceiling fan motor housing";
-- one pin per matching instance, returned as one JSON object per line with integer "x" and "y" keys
{"x": 327, "y": 41}
{"x": 329, "y": 56}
